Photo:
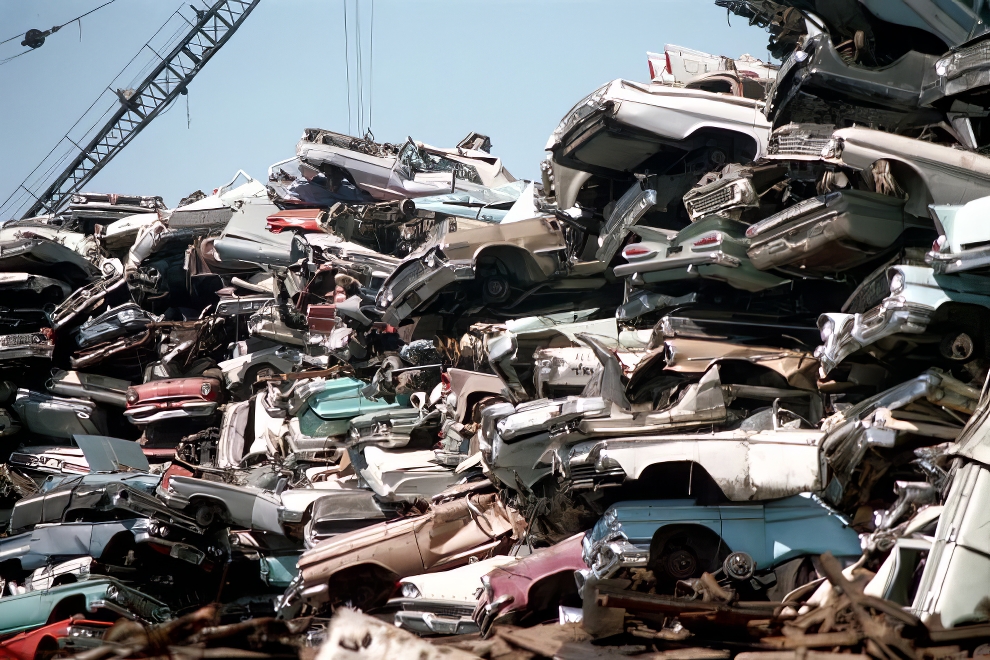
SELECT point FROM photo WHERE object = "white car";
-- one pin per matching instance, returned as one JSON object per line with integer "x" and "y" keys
{"x": 442, "y": 603}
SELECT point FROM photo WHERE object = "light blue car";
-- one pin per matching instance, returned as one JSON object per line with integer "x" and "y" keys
{"x": 678, "y": 539}
{"x": 329, "y": 410}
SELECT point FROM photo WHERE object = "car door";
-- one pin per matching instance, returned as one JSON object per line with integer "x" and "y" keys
{"x": 743, "y": 530}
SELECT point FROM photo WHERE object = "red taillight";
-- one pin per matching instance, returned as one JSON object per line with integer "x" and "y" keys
{"x": 636, "y": 250}
{"x": 653, "y": 74}
{"x": 670, "y": 69}
{"x": 445, "y": 379}
{"x": 273, "y": 228}
{"x": 707, "y": 240}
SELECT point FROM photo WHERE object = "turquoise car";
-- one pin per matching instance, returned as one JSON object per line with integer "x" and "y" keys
{"x": 36, "y": 608}
{"x": 329, "y": 411}
{"x": 678, "y": 539}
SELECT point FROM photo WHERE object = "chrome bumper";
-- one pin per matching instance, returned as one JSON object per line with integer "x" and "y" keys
{"x": 851, "y": 332}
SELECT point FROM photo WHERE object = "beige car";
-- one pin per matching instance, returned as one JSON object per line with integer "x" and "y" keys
{"x": 362, "y": 567}
{"x": 501, "y": 264}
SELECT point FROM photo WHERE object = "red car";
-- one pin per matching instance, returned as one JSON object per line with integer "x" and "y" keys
{"x": 533, "y": 584}
{"x": 56, "y": 639}
{"x": 295, "y": 220}
{"x": 176, "y": 398}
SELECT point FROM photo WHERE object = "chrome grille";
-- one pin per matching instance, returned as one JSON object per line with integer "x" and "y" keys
{"x": 798, "y": 145}
{"x": 587, "y": 476}
{"x": 440, "y": 609}
{"x": 713, "y": 201}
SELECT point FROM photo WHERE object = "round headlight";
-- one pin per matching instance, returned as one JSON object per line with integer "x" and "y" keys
{"x": 826, "y": 329}
{"x": 132, "y": 396}
{"x": 205, "y": 389}
{"x": 896, "y": 282}
{"x": 410, "y": 590}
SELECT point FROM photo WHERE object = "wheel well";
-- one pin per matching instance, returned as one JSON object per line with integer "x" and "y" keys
{"x": 198, "y": 501}
{"x": 709, "y": 546}
{"x": 515, "y": 263}
{"x": 364, "y": 586}
{"x": 552, "y": 590}
{"x": 473, "y": 399}
{"x": 744, "y": 147}
{"x": 673, "y": 480}
{"x": 908, "y": 178}
{"x": 47, "y": 648}
{"x": 67, "y": 607}
{"x": 117, "y": 547}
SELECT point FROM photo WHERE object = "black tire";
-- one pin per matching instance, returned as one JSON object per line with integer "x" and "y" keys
{"x": 684, "y": 552}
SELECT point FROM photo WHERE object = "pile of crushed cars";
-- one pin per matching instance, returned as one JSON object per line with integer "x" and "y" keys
{"x": 715, "y": 387}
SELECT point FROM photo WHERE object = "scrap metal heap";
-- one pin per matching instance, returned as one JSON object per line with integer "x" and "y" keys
{"x": 715, "y": 387}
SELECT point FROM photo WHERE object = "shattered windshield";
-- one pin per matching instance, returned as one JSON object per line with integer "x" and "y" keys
{"x": 419, "y": 160}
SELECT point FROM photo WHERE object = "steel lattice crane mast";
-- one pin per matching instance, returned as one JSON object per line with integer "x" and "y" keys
{"x": 140, "y": 105}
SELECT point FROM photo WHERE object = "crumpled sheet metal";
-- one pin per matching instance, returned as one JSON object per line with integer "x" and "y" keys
{"x": 448, "y": 535}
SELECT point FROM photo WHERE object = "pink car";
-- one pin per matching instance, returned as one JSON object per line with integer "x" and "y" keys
{"x": 176, "y": 398}
{"x": 295, "y": 220}
{"x": 530, "y": 584}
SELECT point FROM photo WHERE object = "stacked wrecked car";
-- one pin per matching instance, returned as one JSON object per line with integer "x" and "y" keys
{"x": 714, "y": 385}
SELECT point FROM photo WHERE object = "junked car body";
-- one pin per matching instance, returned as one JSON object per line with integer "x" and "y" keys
{"x": 42, "y": 256}
{"x": 856, "y": 438}
{"x": 402, "y": 474}
{"x": 830, "y": 233}
{"x": 917, "y": 294}
{"x": 27, "y": 346}
{"x": 69, "y": 636}
{"x": 361, "y": 566}
{"x": 261, "y": 503}
{"x": 48, "y": 543}
{"x": 531, "y": 583}
{"x": 816, "y": 80}
{"x": 414, "y": 169}
{"x": 101, "y": 389}
{"x": 58, "y": 417}
{"x": 953, "y": 582}
{"x": 118, "y": 484}
{"x": 679, "y": 539}
{"x": 35, "y": 608}
{"x": 176, "y": 398}
{"x": 126, "y": 319}
{"x": 493, "y": 259}
{"x": 928, "y": 173}
{"x": 343, "y": 511}
{"x": 621, "y": 126}
{"x": 713, "y": 248}
{"x": 442, "y": 603}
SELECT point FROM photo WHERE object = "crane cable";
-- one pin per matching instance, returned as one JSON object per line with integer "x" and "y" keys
{"x": 56, "y": 28}
{"x": 47, "y": 33}
{"x": 347, "y": 67}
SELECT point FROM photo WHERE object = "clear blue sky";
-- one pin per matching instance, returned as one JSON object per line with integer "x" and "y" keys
{"x": 506, "y": 68}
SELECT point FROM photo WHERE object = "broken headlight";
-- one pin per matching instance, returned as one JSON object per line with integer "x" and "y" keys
{"x": 826, "y": 326}
{"x": 896, "y": 282}
{"x": 84, "y": 632}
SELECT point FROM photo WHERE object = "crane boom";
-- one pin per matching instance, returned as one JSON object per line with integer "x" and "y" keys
{"x": 139, "y": 106}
